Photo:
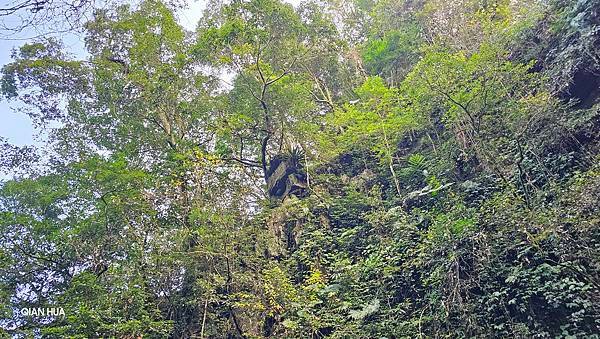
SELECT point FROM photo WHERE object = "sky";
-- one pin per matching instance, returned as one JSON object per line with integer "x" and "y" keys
{"x": 16, "y": 127}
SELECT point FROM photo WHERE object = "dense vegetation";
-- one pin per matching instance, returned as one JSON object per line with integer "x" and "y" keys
{"x": 362, "y": 169}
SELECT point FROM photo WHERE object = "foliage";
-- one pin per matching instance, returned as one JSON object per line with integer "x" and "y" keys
{"x": 450, "y": 187}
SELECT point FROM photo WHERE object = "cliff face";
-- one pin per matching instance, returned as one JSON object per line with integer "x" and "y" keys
{"x": 374, "y": 169}
{"x": 477, "y": 254}
{"x": 285, "y": 177}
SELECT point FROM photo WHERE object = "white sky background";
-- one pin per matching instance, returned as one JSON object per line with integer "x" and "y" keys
{"x": 17, "y": 127}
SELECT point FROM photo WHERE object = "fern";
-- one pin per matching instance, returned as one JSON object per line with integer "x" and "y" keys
{"x": 417, "y": 161}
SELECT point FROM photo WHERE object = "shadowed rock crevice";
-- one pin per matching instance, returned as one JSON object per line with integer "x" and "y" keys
{"x": 286, "y": 175}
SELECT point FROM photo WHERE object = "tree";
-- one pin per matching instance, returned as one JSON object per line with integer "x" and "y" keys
{"x": 379, "y": 119}
{"x": 255, "y": 178}
{"x": 493, "y": 105}
{"x": 53, "y": 16}
{"x": 275, "y": 54}
{"x": 132, "y": 140}
{"x": 42, "y": 18}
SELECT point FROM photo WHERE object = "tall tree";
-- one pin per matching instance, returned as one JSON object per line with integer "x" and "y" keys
{"x": 283, "y": 82}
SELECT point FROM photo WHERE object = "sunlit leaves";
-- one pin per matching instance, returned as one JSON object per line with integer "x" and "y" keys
{"x": 380, "y": 109}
